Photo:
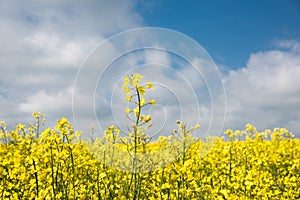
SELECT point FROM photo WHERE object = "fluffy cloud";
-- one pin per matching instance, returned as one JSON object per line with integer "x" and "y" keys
{"x": 43, "y": 43}
{"x": 267, "y": 91}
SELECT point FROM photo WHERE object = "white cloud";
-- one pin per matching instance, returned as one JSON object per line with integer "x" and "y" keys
{"x": 267, "y": 91}
{"x": 55, "y": 52}
{"x": 47, "y": 103}
{"x": 43, "y": 43}
{"x": 293, "y": 45}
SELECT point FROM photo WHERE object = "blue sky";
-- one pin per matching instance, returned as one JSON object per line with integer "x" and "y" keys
{"x": 255, "y": 44}
{"x": 228, "y": 30}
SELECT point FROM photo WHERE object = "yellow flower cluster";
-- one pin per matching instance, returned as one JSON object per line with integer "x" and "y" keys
{"x": 55, "y": 163}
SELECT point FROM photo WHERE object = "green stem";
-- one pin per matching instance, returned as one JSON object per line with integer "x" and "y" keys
{"x": 38, "y": 127}
{"x": 52, "y": 173}
{"x": 5, "y": 136}
{"x": 73, "y": 168}
{"x": 36, "y": 178}
{"x": 135, "y": 146}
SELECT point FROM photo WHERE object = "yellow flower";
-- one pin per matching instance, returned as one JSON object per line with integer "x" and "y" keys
{"x": 21, "y": 127}
{"x": 127, "y": 110}
{"x": 250, "y": 127}
{"x": 136, "y": 111}
{"x": 152, "y": 101}
{"x": 141, "y": 90}
{"x": 147, "y": 118}
{"x": 197, "y": 126}
{"x": 143, "y": 101}
{"x": 36, "y": 114}
{"x": 102, "y": 175}
{"x": 63, "y": 121}
{"x": 128, "y": 98}
{"x": 126, "y": 89}
{"x": 149, "y": 85}
{"x": 136, "y": 79}
{"x": 126, "y": 80}
{"x": 165, "y": 186}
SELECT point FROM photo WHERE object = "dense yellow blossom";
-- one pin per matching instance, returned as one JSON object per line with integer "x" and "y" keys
{"x": 57, "y": 165}
{"x": 38, "y": 162}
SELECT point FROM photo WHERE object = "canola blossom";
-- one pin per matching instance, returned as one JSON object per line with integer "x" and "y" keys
{"x": 38, "y": 162}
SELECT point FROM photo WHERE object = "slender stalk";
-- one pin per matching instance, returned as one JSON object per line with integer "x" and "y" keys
{"x": 52, "y": 173}
{"x": 37, "y": 127}
{"x": 73, "y": 170}
{"x": 5, "y": 136}
{"x": 135, "y": 181}
{"x": 36, "y": 178}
